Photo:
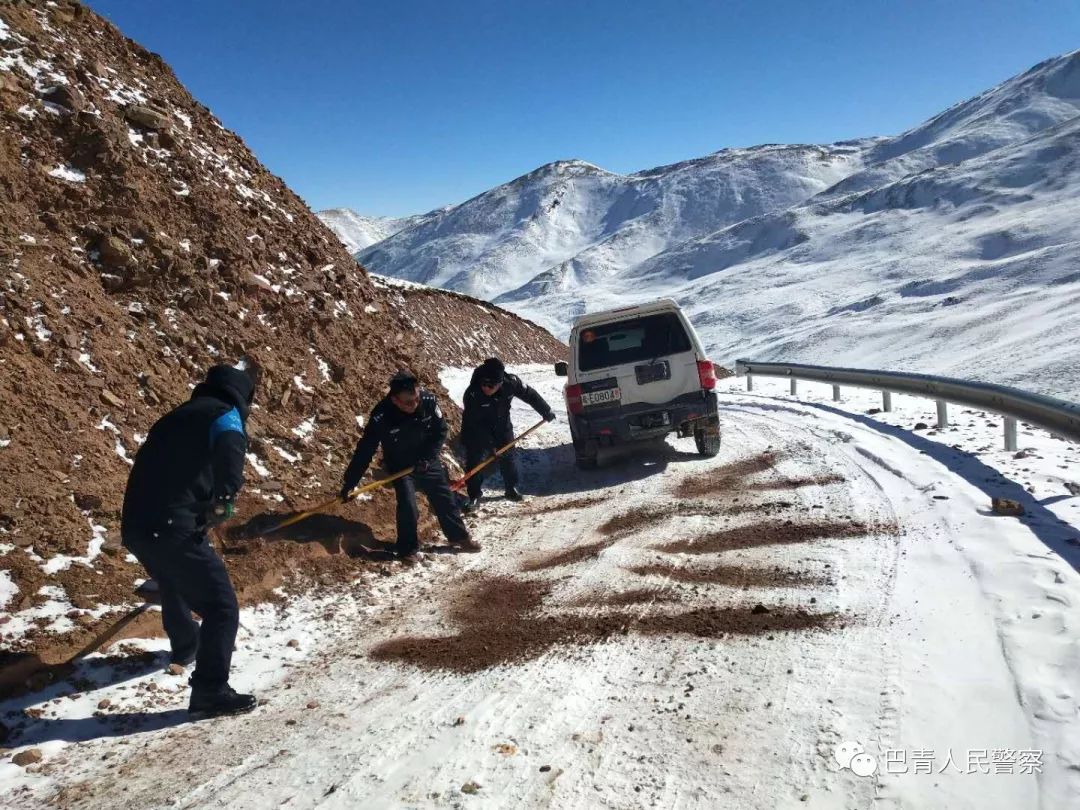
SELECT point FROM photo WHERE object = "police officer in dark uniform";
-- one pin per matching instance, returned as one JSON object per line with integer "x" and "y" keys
{"x": 185, "y": 478}
{"x": 485, "y": 425}
{"x": 411, "y": 429}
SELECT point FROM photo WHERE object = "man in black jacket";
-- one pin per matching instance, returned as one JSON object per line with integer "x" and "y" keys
{"x": 411, "y": 429}
{"x": 185, "y": 478}
{"x": 485, "y": 425}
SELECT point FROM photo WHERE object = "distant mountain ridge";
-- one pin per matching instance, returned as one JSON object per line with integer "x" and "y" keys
{"x": 357, "y": 231}
{"x": 948, "y": 247}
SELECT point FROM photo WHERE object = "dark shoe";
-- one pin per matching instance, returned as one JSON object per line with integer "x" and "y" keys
{"x": 409, "y": 557}
{"x": 466, "y": 544}
{"x": 470, "y": 506}
{"x": 513, "y": 495}
{"x": 218, "y": 702}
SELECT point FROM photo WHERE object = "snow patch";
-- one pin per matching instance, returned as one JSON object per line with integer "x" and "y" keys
{"x": 8, "y": 589}
{"x": 305, "y": 428}
{"x": 69, "y": 173}
{"x": 257, "y": 465}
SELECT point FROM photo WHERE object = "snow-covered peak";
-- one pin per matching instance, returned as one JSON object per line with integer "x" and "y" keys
{"x": 1037, "y": 99}
{"x": 580, "y": 222}
{"x": 357, "y": 231}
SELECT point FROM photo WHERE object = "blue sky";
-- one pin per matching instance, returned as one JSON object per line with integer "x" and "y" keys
{"x": 399, "y": 107}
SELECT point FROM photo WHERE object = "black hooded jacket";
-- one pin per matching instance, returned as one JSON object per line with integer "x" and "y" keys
{"x": 406, "y": 438}
{"x": 486, "y": 419}
{"x": 192, "y": 458}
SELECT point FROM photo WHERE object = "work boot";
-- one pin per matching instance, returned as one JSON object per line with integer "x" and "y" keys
{"x": 466, "y": 544}
{"x": 513, "y": 495}
{"x": 409, "y": 557}
{"x": 218, "y": 702}
{"x": 470, "y": 506}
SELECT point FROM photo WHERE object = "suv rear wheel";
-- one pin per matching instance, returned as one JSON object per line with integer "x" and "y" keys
{"x": 707, "y": 439}
{"x": 586, "y": 454}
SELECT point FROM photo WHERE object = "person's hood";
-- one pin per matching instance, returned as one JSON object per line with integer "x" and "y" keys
{"x": 229, "y": 384}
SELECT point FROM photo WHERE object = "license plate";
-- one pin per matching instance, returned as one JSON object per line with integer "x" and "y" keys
{"x": 602, "y": 397}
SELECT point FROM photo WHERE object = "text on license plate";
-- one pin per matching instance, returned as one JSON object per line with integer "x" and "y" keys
{"x": 601, "y": 397}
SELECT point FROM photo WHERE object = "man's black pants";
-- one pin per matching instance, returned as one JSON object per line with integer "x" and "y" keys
{"x": 432, "y": 482}
{"x": 193, "y": 577}
{"x": 478, "y": 450}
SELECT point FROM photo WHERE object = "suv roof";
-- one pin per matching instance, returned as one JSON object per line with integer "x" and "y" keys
{"x": 619, "y": 313}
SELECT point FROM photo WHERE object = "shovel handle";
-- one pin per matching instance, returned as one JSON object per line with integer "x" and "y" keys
{"x": 457, "y": 485}
{"x": 322, "y": 507}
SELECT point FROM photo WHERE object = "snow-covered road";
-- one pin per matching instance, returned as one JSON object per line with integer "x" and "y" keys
{"x": 667, "y": 631}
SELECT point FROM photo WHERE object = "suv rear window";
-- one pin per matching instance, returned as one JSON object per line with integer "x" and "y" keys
{"x": 633, "y": 341}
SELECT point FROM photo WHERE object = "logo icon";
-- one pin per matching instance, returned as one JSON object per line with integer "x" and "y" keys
{"x": 851, "y": 755}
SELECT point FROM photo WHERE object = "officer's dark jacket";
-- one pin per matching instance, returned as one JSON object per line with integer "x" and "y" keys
{"x": 192, "y": 457}
{"x": 486, "y": 418}
{"x": 406, "y": 438}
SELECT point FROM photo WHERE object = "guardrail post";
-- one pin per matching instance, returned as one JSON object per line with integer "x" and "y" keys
{"x": 836, "y": 393}
{"x": 942, "y": 414}
{"x": 749, "y": 382}
{"x": 794, "y": 386}
{"x": 1010, "y": 434}
{"x": 886, "y": 400}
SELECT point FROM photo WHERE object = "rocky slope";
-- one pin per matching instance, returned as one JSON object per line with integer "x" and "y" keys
{"x": 141, "y": 242}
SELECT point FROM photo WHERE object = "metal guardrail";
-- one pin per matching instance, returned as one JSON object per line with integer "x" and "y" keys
{"x": 1056, "y": 415}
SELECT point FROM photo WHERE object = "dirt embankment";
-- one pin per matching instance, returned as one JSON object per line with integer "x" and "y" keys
{"x": 459, "y": 330}
{"x": 140, "y": 243}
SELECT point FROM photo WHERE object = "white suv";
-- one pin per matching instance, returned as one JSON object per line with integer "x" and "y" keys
{"x": 638, "y": 373}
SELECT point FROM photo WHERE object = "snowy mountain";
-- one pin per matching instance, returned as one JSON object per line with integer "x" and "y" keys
{"x": 948, "y": 248}
{"x": 571, "y": 223}
{"x": 357, "y": 231}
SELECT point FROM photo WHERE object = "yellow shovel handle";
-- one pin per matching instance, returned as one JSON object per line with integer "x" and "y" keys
{"x": 457, "y": 485}
{"x": 327, "y": 504}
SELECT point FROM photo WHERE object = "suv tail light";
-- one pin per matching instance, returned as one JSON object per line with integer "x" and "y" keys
{"x": 573, "y": 399}
{"x": 706, "y": 374}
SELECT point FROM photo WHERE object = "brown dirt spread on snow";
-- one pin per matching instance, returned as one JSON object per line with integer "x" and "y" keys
{"x": 797, "y": 483}
{"x": 502, "y": 621}
{"x": 735, "y": 576}
{"x": 589, "y": 551}
{"x": 633, "y": 598}
{"x": 773, "y": 533}
{"x": 565, "y": 506}
{"x": 728, "y": 477}
{"x": 140, "y": 243}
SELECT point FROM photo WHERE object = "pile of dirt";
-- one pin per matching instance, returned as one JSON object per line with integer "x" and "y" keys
{"x": 459, "y": 330}
{"x": 140, "y": 243}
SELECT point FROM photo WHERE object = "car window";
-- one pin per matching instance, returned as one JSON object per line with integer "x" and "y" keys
{"x": 634, "y": 341}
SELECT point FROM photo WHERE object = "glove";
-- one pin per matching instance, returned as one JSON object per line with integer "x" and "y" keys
{"x": 346, "y": 493}
{"x": 549, "y": 417}
{"x": 221, "y": 511}
{"x": 422, "y": 465}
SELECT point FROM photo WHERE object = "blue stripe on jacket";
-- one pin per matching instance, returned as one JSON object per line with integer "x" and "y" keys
{"x": 230, "y": 420}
